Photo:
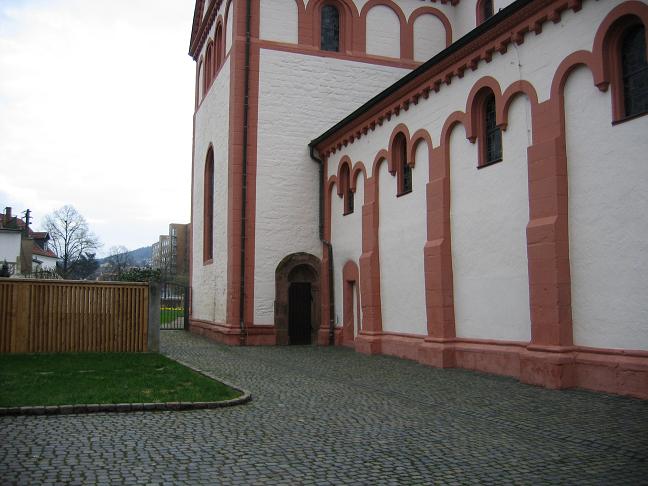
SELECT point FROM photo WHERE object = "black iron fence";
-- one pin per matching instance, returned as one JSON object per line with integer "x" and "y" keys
{"x": 174, "y": 306}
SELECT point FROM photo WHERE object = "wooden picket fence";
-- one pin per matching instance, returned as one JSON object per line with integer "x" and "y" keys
{"x": 63, "y": 316}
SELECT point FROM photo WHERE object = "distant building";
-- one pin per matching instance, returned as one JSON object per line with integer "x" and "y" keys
{"x": 24, "y": 250}
{"x": 170, "y": 253}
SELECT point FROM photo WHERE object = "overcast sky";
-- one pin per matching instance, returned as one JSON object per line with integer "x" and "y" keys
{"x": 96, "y": 105}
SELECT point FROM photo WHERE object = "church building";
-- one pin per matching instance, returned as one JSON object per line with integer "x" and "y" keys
{"x": 463, "y": 183}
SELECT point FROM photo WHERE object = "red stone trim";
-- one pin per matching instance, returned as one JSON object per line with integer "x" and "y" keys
{"x": 599, "y": 369}
{"x": 219, "y": 54}
{"x": 350, "y": 279}
{"x": 370, "y": 263}
{"x": 529, "y": 18}
{"x": 222, "y": 333}
{"x": 406, "y": 47}
{"x": 418, "y": 137}
{"x": 358, "y": 168}
{"x": 344, "y": 56}
{"x": 199, "y": 36}
{"x": 310, "y": 33}
{"x": 208, "y": 207}
{"x": 607, "y": 46}
{"x": 209, "y": 67}
{"x": 480, "y": 16}
{"x": 429, "y": 11}
{"x": 283, "y": 280}
{"x": 191, "y": 218}
{"x": 473, "y": 105}
{"x": 476, "y": 129}
{"x": 437, "y": 254}
{"x": 199, "y": 76}
{"x": 382, "y": 155}
{"x": 344, "y": 161}
{"x": 235, "y": 173}
{"x": 344, "y": 189}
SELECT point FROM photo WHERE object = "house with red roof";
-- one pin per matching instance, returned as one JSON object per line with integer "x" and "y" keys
{"x": 24, "y": 250}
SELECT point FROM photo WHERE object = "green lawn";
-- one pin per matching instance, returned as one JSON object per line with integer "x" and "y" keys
{"x": 170, "y": 314}
{"x": 89, "y": 378}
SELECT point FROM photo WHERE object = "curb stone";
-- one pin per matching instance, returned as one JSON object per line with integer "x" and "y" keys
{"x": 245, "y": 397}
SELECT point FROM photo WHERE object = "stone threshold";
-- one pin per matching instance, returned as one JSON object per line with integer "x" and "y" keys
{"x": 245, "y": 397}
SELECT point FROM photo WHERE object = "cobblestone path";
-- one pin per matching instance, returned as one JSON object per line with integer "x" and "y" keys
{"x": 332, "y": 416}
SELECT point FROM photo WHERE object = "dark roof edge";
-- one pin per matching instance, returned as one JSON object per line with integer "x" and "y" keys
{"x": 496, "y": 19}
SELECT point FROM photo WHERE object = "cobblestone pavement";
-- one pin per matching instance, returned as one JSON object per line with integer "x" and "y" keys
{"x": 331, "y": 416}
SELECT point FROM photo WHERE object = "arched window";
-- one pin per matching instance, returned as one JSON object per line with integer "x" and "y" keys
{"x": 492, "y": 135}
{"x": 345, "y": 189}
{"x": 218, "y": 44}
{"x": 403, "y": 169}
{"x": 209, "y": 67}
{"x": 330, "y": 28}
{"x": 199, "y": 82}
{"x": 208, "y": 209}
{"x": 634, "y": 71}
{"x": 485, "y": 10}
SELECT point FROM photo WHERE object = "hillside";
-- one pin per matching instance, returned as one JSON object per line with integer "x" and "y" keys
{"x": 140, "y": 257}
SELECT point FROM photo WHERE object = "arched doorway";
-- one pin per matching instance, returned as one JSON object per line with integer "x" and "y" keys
{"x": 297, "y": 299}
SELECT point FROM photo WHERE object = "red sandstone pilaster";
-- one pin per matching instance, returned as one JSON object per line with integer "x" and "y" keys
{"x": 546, "y": 361}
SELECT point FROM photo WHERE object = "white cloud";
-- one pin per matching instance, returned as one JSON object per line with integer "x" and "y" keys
{"x": 97, "y": 102}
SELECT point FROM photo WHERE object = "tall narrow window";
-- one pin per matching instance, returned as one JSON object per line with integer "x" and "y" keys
{"x": 330, "y": 28}
{"x": 218, "y": 45}
{"x": 345, "y": 188}
{"x": 485, "y": 10}
{"x": 491, "y": 135}
{"x": 403, "y": 169}
{"x": 208, "y": 209}
{"x": 200, "y": 91}
{"x": 209, "y": 68}
{"x": 634, "y": 71}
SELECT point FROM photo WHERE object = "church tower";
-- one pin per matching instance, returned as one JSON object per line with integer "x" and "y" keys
{"x": 271, "y": 75}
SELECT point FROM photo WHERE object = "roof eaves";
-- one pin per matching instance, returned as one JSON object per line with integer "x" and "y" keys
{"x": 495, "y": 20}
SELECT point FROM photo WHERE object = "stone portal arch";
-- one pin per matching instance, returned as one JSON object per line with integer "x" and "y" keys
{"x": 301, "y": 273}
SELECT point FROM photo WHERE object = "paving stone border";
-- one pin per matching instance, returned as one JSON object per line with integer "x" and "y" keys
{"x": 245, "y": 397}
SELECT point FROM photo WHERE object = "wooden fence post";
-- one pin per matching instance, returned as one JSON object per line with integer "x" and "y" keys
{"x": 20, "y": 322}
{"x": 153, "y": 344}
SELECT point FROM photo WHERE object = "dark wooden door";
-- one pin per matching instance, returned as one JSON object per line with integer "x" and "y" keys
{"x": 299, "y": 313}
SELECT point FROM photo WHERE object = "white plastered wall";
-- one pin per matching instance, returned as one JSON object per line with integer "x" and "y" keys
{"x": 383, "y": 32}
{"x": 429, "y": 37}
{"x": 48, "y": 263}
{"x": 300, "y": 97}
{"x": 608, "y": 219}
{"x": 279, "y": 21}
{"x": 346, "y": 235}
{"x": 212, "y": 29}
{"x": 536, "y": 61}
{"x": 489, "y": 213}
{"x": 9, "y": 246}
{"x": 209, "y": 282}
{"x": 402, "y": 235}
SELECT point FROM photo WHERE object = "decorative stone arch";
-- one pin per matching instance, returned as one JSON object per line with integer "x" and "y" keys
{"x": 405, "y": 45}
{"x": 296, "y": 268}
{"x": 310, "y": 33}
{"x": 350, "y": 292}
{"x": 435, "y": 13}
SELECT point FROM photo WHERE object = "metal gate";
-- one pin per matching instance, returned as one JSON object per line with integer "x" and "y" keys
{"x": 174, "y": 306}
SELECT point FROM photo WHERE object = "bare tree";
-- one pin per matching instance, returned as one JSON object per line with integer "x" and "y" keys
{"x": 71, "y": 238}
{"x": 119, "y": 260}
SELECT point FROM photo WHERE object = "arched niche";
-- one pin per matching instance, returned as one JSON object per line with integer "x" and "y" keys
{"x": 297, "y": 294}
